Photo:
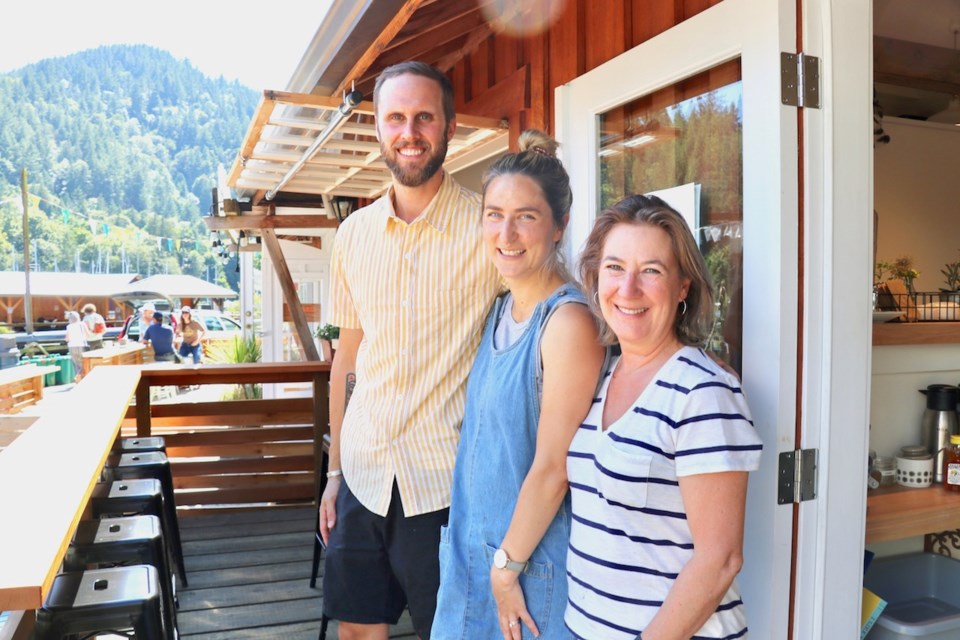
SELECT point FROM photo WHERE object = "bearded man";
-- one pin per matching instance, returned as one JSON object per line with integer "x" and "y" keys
{"x": 410, "y": 288}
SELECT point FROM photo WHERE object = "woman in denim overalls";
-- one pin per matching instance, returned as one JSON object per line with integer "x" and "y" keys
{"x": 502, "y": 557}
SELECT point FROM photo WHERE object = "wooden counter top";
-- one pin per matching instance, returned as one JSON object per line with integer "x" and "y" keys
{"x": 46, "y": 476}
{"x": 899, "y": 512}
{"x": 891, "y": 333}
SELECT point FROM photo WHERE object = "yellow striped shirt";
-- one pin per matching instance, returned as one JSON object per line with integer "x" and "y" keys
{"x": 420, "y": 292}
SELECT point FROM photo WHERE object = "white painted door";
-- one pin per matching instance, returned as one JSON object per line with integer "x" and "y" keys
{"x": 806, "y": 374}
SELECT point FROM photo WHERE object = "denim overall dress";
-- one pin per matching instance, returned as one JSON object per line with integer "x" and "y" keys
{"x": 497, "y": 444}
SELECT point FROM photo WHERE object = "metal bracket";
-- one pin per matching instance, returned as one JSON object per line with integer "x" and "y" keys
{"x": 797, "y": 477}
{"x": 800, "y": 80}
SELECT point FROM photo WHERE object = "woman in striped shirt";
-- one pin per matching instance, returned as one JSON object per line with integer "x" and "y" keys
{"x": 658, "y": 470}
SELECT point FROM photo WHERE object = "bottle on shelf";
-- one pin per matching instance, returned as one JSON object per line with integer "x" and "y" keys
{"x": 951, "y": 464}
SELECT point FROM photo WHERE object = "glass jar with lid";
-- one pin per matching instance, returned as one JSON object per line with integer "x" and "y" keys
{"x": 886, "y": 468}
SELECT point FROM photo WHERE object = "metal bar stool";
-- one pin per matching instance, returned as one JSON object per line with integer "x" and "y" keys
{"x": 136, "y": 444}
{"x": 139, "y": 497}
{"x": 103, "y": 600}
{"x": 152, "y": 464}
{"x": 124, "y": 541}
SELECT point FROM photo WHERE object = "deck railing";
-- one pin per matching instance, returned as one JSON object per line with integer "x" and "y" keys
{"x": 232, "y": 454}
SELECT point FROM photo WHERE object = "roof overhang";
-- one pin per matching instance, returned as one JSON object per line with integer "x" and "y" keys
{"x": 171, "y": 287}
{"x": 348, "y": 163}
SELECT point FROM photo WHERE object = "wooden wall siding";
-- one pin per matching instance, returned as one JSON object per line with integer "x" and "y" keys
{"x": 585, "y": 35}
{"x": 437, "y": 31}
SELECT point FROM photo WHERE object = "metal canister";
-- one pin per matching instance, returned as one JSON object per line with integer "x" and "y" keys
{"x": 939, "y": 422}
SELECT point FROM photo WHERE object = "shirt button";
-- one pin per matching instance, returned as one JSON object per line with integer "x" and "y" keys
{"x": 403, "y": 352}
{"x": 403, "y": 303}
{"x": 399, "y": 396}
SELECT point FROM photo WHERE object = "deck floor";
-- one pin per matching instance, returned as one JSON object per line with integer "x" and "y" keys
{"x": 249, "y": 576}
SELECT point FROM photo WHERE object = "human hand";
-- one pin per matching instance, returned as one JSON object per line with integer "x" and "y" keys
{"x": 511, "y": 606}
{"x": 328, "y": 507}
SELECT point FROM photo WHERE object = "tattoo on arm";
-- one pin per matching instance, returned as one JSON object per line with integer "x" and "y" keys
{"x": 350, "y": 384}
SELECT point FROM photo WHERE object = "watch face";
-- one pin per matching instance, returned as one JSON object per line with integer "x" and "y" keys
{"x": 500, "y": 559}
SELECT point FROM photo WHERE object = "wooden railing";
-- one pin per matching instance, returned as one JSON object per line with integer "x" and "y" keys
{"x": 231, "y": 454}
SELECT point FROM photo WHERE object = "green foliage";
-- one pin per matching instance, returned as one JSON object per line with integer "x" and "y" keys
{"x": 235, "y": 351}
{"x": 328, "y": 332}
{"x": 127, "y": 135}
{"x": 951, "y": 275}
{"x": 899, "y": 269}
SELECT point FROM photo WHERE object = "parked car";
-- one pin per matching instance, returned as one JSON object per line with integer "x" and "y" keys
{"x": 216, "y": 325}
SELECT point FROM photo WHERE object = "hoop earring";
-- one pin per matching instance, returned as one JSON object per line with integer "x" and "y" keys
{"x": 596, "y": 296}
{"x": 683, "y": 311}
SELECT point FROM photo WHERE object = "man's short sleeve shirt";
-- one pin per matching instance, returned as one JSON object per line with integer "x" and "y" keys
{"x": 420, "y": 292}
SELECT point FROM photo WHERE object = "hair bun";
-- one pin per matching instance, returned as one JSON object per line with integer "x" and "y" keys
{"x": 539, "y": 142}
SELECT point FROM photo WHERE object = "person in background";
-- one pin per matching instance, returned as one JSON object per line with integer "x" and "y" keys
{"x": 190, "y": 333}
{"x": 96, "y": 326}
{"x": 410, "y": 323}
{"x": 658, "y": 470}
{"x": 531, "y": 386}
{"x": 160, "y": 338}
{"x": 77, "y": 336}
{"x": 145, "y": 319}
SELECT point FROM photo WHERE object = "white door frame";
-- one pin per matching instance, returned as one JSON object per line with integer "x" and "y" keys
{"x": 829, "y": 561}
{"x": 838, "y": 193}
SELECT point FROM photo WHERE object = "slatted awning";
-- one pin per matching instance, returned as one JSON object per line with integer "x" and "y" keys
{"x": 349, "y": 162}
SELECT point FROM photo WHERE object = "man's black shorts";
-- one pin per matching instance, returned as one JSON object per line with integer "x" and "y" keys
{"x": 375, "y": 566}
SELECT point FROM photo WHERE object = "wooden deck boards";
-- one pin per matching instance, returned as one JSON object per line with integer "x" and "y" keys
{"x": 249, "y": 575}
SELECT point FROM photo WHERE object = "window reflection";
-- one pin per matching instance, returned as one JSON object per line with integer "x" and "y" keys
{"x": 689, "y": 133}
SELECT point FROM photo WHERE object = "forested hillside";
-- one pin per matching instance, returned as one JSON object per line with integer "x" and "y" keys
{"x": 121, "y": 146}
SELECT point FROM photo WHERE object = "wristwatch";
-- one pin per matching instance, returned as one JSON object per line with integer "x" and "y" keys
{"x": 502, "y": 561}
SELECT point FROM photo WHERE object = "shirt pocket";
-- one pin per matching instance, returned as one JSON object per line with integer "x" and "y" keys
{"x": 622, "y": 476}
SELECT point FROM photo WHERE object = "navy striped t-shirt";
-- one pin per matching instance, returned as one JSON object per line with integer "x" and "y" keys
{"x": 629, "y": 536}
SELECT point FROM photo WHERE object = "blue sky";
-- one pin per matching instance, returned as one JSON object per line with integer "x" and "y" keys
{"x": 258, "y": 43}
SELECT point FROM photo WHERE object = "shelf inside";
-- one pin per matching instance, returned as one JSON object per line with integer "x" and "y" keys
{"x": 899, "y": 512}
{"x": 891, "y": 333}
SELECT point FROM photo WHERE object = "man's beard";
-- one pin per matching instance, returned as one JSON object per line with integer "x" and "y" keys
{"x": 415, "y": 177}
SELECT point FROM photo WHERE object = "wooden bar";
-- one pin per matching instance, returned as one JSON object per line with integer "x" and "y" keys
{"x": 900, "y": 512}
{"x": 47, "y": 475}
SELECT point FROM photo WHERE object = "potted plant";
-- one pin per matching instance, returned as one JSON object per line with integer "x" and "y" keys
{"x": 951, "y": 276}
{"x": 900, "y": 269}
{"x": 326, "y": 334}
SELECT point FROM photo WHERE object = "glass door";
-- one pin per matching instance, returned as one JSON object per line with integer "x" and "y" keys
{"x": 695, "y": 114}
{"x": 684, "y": 143}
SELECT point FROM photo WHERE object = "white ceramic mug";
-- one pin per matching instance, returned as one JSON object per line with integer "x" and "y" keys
{"x": 915, "y": 472}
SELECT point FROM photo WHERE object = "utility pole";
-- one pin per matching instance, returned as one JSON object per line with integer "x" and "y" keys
{"x": 27, "y": 301}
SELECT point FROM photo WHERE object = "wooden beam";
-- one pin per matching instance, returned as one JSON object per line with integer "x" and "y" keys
{"x": 381, "y": 42}
{"x": 469, "y": 45}
{"x": 261, "y": 115}
{"x": 915, "y": 65}
{"x": 302, "y": 333}
{"x": 142, "y": 396}
{"x": 291, "y": 221}
{"x": 420, "y": 48}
